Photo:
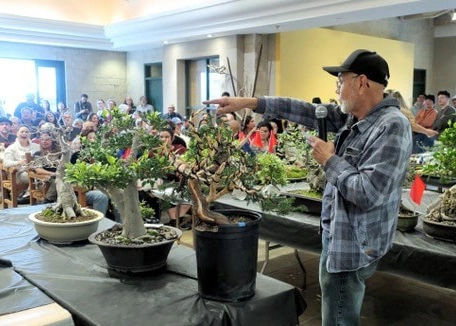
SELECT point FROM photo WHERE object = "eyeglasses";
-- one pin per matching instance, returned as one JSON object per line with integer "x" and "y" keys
{"x": 340, "y": 80}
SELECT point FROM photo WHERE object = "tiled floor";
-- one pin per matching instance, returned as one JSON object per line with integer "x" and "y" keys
{"x": 389, "y": 300}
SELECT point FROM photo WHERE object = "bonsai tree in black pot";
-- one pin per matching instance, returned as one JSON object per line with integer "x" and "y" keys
{"x": 226, "y": 242}
{"x": 123, "y": 153}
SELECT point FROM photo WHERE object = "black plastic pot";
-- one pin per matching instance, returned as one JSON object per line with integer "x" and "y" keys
{"x": 227, "y": 259}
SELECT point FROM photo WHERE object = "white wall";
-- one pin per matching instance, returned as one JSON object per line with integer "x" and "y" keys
{"x": 419, "y": 32}
{"x": 99, "y": 74}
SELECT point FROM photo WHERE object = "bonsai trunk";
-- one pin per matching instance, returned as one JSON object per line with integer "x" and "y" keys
{"x": 201, "y": 205}
{"x": 127, "y": 203}
{"x": 67, "y": 202}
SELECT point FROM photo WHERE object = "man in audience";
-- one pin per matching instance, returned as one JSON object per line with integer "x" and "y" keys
{"x": 425, "y": 118}
{"x": 6, "y": 137}
{"x": 419, "y": 104}
{"x": 29, "y": 103}
{"x": 453, "y": 101}
{"x": 83, "y": 107}
{"x": 446, "y": 113}
{"x": 172, "y": 113}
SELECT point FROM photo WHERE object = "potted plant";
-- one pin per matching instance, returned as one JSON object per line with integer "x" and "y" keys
{"x": 65, "y": 221}
{"x": 226, "y": 242}
{"x": 440, "y": 220}
{"x": 441, "y": 169}
{"x": 407, "y": 219}
{"x": 293, "y": 148}
{"x": 122, "y": 154}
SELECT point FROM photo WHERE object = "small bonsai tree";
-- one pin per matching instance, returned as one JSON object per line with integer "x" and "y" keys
{"x": 122, "y": 154}
{"x": 66, "y": 206}
{"x": 215, "y": 165}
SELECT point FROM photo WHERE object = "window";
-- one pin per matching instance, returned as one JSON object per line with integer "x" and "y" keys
{"x": 44, "y": 78}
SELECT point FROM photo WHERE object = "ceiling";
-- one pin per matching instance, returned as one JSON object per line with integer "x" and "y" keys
{"x": 127, "y": 25}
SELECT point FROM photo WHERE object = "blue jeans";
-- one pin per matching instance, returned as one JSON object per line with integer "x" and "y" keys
{"x": 342, "y": 293}
{"x": 421, "y": 143}
{"x": 98, "y": 200}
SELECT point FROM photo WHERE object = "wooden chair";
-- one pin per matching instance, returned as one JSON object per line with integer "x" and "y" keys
{"x": 39, "y": 185}
{"x": 80, "y": 194}
{"x": 10, "y": 189}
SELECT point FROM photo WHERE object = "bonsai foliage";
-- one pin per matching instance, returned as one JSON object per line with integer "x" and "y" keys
{"x": 122, "y": 154}
{"x": 443, "y": 164}
{"x": 215, "y": 165}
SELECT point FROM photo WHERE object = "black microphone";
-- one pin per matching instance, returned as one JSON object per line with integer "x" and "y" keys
{"x": 322, "y": 112}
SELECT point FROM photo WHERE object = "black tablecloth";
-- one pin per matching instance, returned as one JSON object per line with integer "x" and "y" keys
{"x": 414, "y": 254}
{"x": 76, "y": 277}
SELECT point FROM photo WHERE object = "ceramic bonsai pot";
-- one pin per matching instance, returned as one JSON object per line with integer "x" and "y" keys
{"x": 407, "y": 223}
{"x": 136, "y": 258}
{"x": 66, "y": 233}
{"x": 440, "y": 230}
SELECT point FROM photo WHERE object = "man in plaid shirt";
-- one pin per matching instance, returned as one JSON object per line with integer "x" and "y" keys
{"x": 364, "y": 168}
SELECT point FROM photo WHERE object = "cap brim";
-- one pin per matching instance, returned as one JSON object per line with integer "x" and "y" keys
{"x": 335, "y": 70}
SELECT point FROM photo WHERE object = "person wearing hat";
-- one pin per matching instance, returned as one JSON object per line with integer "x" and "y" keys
{"x": 179, "y": 139}
{"x": 364, "y": 170}
{"x": 6, "y": 137}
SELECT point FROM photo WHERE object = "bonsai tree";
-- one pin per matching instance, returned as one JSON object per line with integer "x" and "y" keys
{"x": 66, "y": 206}
{"x": 122, "y": 154}
{"x": 215, "y": 164}
{"x": 443, "y": 164}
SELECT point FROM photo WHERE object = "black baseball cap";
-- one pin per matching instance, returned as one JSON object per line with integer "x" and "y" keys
{"x": 364, "y": 62}
{"x": 5, "y": 119}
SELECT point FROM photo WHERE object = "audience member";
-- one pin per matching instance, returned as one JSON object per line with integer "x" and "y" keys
{"x": 425, "y": 118}
{"x": 143, "y": 106}
{"x": 446, "y": 113}
{"x": 6, "y": 137}
{"x": 419, "y": 104}
{"x": 172, "y": 113}
{"x": 83, "y": 107}
{"x": 416, "y": 128}
{"x": 16, "y": 156}
{"x": 27, "y": 116}
{"x": 131, "y": 106}
{"x": 16, "y": 123}
{"x": 29, "y": 103}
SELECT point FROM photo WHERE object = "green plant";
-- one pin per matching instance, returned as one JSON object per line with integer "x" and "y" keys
{"x": 215, "y": 165}
{"x": 122, "y": 154}
{"x": 443, "y": 164}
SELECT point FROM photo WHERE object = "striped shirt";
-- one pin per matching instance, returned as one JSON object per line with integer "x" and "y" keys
{"x": 364, "y": 179}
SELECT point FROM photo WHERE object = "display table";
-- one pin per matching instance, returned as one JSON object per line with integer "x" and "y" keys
{"x": 413, "y": 255}
{"x": 76, "y": 277}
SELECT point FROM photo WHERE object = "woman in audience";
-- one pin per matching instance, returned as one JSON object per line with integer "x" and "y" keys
{"x": 19, "y": 155}
{"x": 50, "y": 117}
{"x": 129, "y": 103}
{"x": 264, "y": 138}
{"x": 97, "y": 121}
{"x": 416, "y": 128}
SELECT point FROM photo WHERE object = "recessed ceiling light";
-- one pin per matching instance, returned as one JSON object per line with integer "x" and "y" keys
{"x": 209, "y": 35}
{"x": 165, "y": 42}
